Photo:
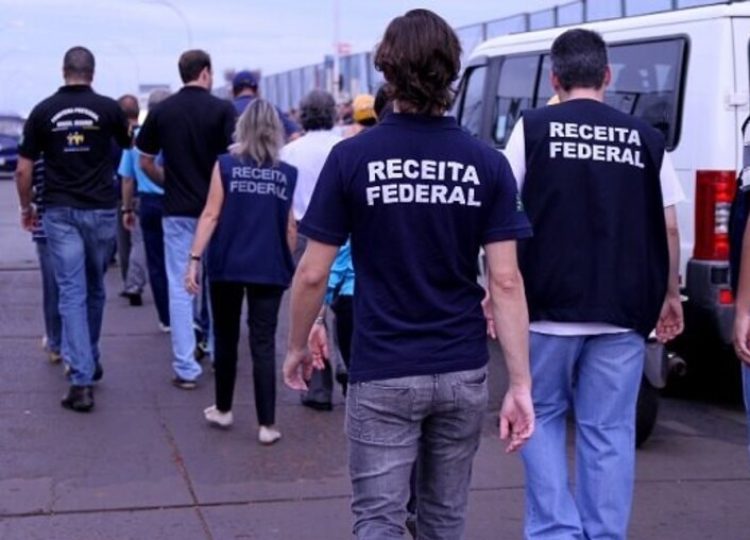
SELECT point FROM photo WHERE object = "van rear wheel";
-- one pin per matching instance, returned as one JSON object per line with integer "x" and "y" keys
{"x": 647, "y": 410}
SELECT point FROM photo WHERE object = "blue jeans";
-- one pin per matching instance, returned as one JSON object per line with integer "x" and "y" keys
{"x": 150, "y": 213}
{"x": 178, "y": 238}
{"x": 599, "y": 376}
{"x": 390, "y": 423}
{"x": 50, "y": 298}
{"x": 80, "y": 243}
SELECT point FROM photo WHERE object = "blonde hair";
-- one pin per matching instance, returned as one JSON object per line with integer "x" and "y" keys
{"x": 259, "y": 134}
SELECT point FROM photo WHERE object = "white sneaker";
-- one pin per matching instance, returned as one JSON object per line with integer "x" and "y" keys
{"x": 217, "y": 418}
{"x": 268, "y": 435}
{"x": 164, "y": 328}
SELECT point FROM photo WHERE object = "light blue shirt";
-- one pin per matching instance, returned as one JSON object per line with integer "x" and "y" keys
{"x": 130, "y": 166}
{"x": 341, "y": 279}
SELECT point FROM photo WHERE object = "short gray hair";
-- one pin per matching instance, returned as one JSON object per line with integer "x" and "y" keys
{"x": 259, "y": 134}
{"x": 317, "y": 111}
{"x": 157, "y": 96}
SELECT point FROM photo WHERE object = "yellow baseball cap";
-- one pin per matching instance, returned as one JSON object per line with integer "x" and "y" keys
{"x": 363, "y": 108}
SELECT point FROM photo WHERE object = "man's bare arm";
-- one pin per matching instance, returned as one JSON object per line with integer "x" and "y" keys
{"x": 24, "y": 180}
{"x": 152, "y": 170}
{"x": 24, "y": 186}
{"x": 508, "y": 300}
{"x": 511, "y": 317}
{"x": 742, "y": 304}
{"x": 671, "y": 321}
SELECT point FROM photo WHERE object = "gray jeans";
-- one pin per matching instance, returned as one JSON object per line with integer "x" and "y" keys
{"x": 390, "y": 423}
{"x": 135, "y": 277}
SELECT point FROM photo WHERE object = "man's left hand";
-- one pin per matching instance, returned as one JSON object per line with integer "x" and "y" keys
{"x": 671, "y": 322}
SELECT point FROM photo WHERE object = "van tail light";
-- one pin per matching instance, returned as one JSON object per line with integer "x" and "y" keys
{"x": 726, "y": 298}
{"x": 714, "y": 192}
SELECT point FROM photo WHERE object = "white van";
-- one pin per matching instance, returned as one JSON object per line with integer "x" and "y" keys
{"x": 686, "y": 73}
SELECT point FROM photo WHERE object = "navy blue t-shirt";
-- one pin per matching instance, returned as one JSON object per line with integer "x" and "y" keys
{"x": 419, "y": 197}
{"x": 249, "y": 244}
{"x": 290, "y": 128}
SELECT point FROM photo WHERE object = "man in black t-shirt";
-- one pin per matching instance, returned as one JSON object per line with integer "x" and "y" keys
{"x": 191, "y": 128}
{"x": 74, "y": 129}
{"x": 419, "y": 197}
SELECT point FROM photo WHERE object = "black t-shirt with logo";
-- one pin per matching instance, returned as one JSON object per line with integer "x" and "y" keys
{"x": 74, "y": 129}
{"x": 192, "y": 128}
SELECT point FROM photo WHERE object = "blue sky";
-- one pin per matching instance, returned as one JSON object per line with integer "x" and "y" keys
{"x": 138, "y": 41}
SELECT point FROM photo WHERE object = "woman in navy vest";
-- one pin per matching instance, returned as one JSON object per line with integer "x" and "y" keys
{"x": 249, "y": 224}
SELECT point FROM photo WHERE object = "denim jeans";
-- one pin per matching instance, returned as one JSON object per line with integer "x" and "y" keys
{"x": 150, "y": 213}
{"x": 599, "y": 376}
{"x": 80, "y": 243}
{"x": 50, "y": 299}
{"x": 178, "y": 238}
{"x": 390, "y": 423}
{"x": 135, "y": 279}
{"x": 122, "y": 244}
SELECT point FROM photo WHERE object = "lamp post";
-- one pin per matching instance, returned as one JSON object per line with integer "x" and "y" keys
{"x": 118, "y": 44}
{"x": 177, "y": 11}
{"x": 336, "y": 52}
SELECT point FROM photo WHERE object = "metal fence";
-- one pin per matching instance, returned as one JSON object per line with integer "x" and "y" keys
{"x": 357, "y": 74}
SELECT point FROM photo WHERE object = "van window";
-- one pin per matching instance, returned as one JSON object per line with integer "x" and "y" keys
{"x": 515, "y": 93}
{"x": 646, "y": 80}
{"x": 646, "y": 83}
{"x": 544, "y": 91}
{"x": 471, "y": 112}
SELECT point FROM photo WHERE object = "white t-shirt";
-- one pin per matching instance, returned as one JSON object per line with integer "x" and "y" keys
{"x": 672, "y": 193}
{"x": 308, "y": 154}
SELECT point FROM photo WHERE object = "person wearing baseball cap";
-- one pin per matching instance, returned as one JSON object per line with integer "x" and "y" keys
{"x": 363, "y": 114}
{"x": 245, "y": 90}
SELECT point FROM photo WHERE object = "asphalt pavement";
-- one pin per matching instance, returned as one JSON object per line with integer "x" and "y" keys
{"x": 144, "y": 465}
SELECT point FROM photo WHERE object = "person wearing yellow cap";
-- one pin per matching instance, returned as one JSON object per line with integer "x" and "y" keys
{"x": 363, "y": 113}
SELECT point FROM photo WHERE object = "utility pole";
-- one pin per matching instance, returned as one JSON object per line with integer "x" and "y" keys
{"x": 336, "y": 46}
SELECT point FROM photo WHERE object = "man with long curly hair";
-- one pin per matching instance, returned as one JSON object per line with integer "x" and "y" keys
{"x": 419, "y": 197}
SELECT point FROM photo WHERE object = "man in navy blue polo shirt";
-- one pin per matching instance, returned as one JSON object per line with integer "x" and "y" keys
{"x": 419, "y": 197}
{"x": 601, "y": 273}
{"x": 245, "y": 90}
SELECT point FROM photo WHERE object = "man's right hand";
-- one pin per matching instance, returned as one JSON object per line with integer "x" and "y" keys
{"x": 517, "y": 417}
{"x": 297, "y": 369}
{"x": 671, "y": 322}
{"x": 29, "y": 219}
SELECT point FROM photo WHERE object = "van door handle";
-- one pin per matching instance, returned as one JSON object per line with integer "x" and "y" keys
{"x": 737, "y": 99}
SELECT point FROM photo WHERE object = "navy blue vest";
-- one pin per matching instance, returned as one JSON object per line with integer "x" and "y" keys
{"x": 249, "y": 244}
{"x": 593, "y": 195}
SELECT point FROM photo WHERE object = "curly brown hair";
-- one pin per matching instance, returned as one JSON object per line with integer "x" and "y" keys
{"x": 420, "y": 57}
